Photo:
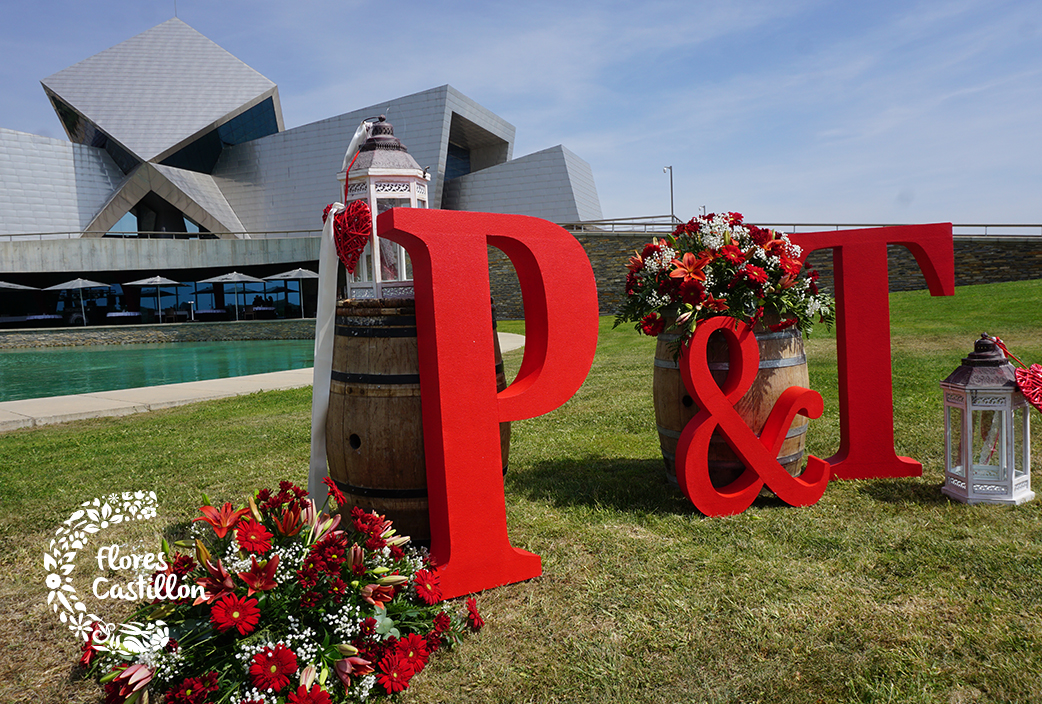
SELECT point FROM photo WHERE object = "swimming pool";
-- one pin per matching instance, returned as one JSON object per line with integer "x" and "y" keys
{"x": 57, "y": 371}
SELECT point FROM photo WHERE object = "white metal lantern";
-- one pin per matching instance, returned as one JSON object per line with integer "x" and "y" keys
{"x": 386, "y": 176}
{"x": 987, "y": 431}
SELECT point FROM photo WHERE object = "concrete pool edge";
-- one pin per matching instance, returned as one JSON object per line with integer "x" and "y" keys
{"x": 36, "y": 412}
{"x": 32, "y": 413}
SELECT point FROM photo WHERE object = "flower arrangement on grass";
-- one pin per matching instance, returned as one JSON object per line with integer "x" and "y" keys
{"x": 717, "y": 265}
{"x": 288, "y": 605}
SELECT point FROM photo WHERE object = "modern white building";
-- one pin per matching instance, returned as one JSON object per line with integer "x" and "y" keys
{"x": 178, "y": 163}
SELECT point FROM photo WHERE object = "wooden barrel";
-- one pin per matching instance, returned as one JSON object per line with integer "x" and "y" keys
{"x": 782, "y": 364}
{"x": 374, "y": 426}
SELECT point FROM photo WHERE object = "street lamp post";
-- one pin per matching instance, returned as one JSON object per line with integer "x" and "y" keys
{"x": 672, "y": 213}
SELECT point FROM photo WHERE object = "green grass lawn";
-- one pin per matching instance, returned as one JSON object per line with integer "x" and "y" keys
{"x": 884, "y": 591}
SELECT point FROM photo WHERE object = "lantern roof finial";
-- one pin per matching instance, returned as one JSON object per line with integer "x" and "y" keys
{"x": 985, "y": 353}
{"x": 985, "y": 367}
{"x": 382, "y": 150}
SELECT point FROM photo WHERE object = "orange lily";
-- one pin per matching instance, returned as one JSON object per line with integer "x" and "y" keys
{"x": 377, "y": 594}
{"x": 223, "y": 519}
{"x": 690, "y": 267}
{"x": 290, "y": 523}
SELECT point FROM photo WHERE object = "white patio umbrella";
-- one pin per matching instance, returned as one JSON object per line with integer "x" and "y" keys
{"x": 234, "y": 278}
{"x": 295, "y": 274}
{"x": 78, "y": 284}
{"x": 156, "y": 281}
{"x": 18, "y": 287}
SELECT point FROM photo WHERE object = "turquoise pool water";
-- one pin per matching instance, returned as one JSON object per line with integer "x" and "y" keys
{"x": 57, "y": 371}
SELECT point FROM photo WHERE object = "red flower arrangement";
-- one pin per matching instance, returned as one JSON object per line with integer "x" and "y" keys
{"x": 717, "y": 265}
{"x": 290, "y": 606}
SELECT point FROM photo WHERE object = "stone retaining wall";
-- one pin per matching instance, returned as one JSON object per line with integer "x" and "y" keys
{"x": 978, "y": 260}
{"x": 303, "y": 329}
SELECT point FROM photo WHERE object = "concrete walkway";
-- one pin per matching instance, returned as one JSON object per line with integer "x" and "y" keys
{"x": 60, "y": 409}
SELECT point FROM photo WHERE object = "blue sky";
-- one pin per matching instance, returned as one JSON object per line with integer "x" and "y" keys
{"x": 791, "y": 111}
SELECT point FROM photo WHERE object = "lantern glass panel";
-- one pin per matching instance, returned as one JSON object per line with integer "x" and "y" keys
{"x": 1018, "y": 441}
{"x": 364, "y": 268}
{"x": 989, "y": 451}
{"x": 953, "y": 422}
{"x": 389, "y": 264}
{"x": 385, "y": 204}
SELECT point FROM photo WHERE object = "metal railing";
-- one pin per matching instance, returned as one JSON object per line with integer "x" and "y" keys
{"x": 664, "y": 224}
{"x": 649, "y": 225}
{"x": 134, "y": 235}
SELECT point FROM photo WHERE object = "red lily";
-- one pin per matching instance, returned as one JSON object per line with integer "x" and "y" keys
{"x": 222, "y": 520}
{"x": 352, "y": 667}
{"x": 716, "y": 304}
{"x": 128, "y": 683}
{"x": 260, "y": 578}
{"x": 220, "y": 583}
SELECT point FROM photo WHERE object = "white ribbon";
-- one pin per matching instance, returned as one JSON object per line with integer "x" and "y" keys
{"x": 325, "y": 319}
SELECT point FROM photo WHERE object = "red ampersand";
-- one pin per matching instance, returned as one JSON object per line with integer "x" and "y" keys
{"x": 757, "y": 453}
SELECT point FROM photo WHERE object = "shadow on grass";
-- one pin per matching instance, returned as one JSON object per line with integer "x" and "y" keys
{"x": 632, "y": 485}
{"x": 904, "y": 491}
{"x": 623, "y": 484}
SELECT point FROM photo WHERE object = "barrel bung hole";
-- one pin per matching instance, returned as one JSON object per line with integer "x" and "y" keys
{"x": 354, "y": 441}
{"x": 687, "y": 401}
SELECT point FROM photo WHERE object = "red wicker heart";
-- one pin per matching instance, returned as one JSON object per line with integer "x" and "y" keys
{"x": 352, "y": 228}
{"x": 1030, "y": 382}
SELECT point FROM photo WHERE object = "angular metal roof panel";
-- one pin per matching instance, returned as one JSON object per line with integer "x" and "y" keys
{"x": 50, "y": 185}
{"x": 201, "y": 190}
{"x": 194, "y": 194}
{"x": 155, "y": 92}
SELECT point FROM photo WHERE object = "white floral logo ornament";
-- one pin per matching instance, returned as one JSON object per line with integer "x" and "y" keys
{"x": 71, "y": 537}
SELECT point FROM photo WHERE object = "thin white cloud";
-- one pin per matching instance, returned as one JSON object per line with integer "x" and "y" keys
{"x": 803, "y": 110}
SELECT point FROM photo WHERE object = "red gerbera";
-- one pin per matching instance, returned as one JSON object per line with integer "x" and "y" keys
{"x": 473, "y": 617}
{"x": 193, "y": 690}
{"x": 233, "y": 612}
{"x": 303, "y": 695}
{"x": 760, "y": 236}
{"x": 272, "y": 667}
{"x": 253, "y": 536}
{"x": 395, "y": 673}
{"x": 335, "y": 493}
{"x": 755, "y": 273}
{"x": 732, "y": 253}
{"x": 791, "y": 266}
{"x": 413, "y": 648}
{"x": 652, "y": 324}
{"x": 428, "y": 588}
{"x": 441, "y": 622}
